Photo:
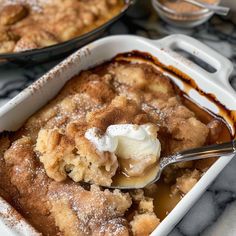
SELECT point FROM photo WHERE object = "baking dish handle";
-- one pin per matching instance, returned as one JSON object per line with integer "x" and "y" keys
{"x": 221, "y": 64}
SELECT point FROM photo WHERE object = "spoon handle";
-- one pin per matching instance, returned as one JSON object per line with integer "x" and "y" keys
{"x": 215, "y": 8}
{"x": 215, "y": 150}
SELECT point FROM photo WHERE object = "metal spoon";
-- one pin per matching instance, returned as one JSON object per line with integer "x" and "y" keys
{"x": 220, "y": 10}
{"x": 154, "y": 174}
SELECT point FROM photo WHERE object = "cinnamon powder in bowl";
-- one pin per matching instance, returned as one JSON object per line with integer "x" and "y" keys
{"x": 183, "y": 14}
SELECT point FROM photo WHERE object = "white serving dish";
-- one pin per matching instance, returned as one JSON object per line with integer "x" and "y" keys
{"x": 15, "y": 112}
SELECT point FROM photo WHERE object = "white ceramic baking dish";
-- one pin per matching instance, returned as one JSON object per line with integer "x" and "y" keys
{"x": 15, "y": 112}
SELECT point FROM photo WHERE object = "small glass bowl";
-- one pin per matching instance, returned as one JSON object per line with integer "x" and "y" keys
{"x": 184, "y": 20}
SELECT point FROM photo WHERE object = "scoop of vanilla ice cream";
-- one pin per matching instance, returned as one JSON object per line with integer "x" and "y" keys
{"x": 136, "y": 146}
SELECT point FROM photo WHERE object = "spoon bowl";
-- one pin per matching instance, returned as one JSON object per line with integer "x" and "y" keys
{"x": 154, "y": 173}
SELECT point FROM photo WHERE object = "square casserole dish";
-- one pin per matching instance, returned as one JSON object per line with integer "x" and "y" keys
{"x": 216, "y": 84}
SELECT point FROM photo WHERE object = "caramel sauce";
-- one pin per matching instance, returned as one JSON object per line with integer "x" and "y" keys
{"x": 164, "y": 200}
{"x": 121, "y": 179}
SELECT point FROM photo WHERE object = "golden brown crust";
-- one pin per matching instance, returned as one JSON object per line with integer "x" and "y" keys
{"x": 144, "y": 220}
{"x": 31, "y": 184}
{"x": 12, "y": 13}
{"x": 144, "y": 224}
{"x": 35, "y": 39}
{"x": 7, "y": 40}
{"x": 119, "y": 111}
{"x": 90, "y": 211}
{"x": 75, "y": 157}
{"x": 185, "y": 182}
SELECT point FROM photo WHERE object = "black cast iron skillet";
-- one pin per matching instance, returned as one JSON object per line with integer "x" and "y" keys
{"x": 60, "y": 50}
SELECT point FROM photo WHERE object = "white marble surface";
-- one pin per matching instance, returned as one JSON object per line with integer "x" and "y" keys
{"x": 215, "y": 213}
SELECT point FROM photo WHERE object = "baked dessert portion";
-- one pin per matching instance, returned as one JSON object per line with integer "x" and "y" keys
{"x": 42, "y": 164}
{"x": 26, "y": 25}
{"x": 72, "y": 152}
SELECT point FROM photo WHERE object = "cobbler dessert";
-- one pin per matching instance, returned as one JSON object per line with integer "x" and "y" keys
{"x": 117, "y": 119}
{"x": 27, "y": 24}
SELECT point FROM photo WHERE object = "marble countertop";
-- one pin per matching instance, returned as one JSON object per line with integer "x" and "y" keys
{"x": 215, "y": 213}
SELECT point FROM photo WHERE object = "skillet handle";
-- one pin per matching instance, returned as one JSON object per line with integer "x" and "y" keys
{"x": 222, "y": 65}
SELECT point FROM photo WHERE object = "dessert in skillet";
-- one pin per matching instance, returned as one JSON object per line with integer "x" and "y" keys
{"x": 26, "y": 24}
{"x": 116, "y": 119}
